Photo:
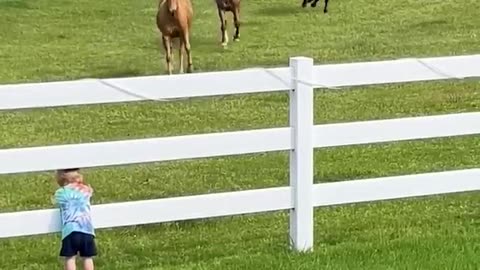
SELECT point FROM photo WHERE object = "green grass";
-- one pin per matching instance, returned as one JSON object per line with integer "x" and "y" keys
{"x": 55, "y": 40}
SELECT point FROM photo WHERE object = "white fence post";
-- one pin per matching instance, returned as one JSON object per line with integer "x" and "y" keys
{"x": 301, "y": 157}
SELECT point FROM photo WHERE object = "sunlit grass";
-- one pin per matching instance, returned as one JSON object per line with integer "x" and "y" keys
{"x": 55, "y": 40}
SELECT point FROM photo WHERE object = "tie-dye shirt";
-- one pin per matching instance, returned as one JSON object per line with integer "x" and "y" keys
{"x": 74, "y": 203}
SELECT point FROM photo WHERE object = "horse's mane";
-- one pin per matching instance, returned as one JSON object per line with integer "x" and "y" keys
{"x": 172, "y": 5}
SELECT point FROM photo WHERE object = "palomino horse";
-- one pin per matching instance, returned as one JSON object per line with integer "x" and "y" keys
{"x": 314, "y": 4}
{"x": 233, "y": 6}
{"x": 174, "y": 20}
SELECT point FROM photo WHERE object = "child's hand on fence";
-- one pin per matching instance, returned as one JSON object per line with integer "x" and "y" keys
{"x": 52, "y": 199}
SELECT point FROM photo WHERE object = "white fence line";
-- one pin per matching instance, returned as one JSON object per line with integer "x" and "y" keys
{"x": 409, "y": 128}
{"x": 43, "y": 158}
{"x": 143, "y": 150}
{"x": 257, "y": 80}
{"x": 301, "y": 137}
{"x": 396, "y": 187}
{"x": 245, "y": 202}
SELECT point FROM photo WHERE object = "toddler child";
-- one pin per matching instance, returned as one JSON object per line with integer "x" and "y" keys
{"x": 78, "y": 236}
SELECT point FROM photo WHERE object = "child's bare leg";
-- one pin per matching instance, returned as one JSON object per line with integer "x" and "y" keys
{"x": 70, "y": 263}
{"x": 87, "y": 264}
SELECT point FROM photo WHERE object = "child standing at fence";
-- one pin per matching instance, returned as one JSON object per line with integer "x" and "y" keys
{"x": 78, "y": 236}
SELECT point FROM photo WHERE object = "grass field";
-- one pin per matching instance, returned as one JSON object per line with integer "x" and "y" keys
{"x": 47, "y": 40}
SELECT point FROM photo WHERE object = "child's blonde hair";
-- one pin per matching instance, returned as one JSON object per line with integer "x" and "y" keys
{"x": 69, "y": 176}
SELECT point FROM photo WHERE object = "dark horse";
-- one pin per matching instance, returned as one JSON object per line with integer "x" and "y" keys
{"x": 233, "y": 6}
{"x": 314, "y": 4}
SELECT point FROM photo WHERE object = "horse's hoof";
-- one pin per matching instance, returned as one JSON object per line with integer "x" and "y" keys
{"x": 304, "y": 5}
{"x": 224, "y": 44}
{"x": 313, "y": 5}
{"x": 190, "y": 69}
{"x": 236, "y": 39}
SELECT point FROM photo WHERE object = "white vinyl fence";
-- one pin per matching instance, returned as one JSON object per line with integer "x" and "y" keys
{"x": 300, "y": 138}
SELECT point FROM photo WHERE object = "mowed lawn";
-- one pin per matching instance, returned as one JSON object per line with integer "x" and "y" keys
{"x": 46, "y": 40}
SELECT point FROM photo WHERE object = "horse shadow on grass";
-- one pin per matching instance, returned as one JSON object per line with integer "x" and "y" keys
{"x": 211, "y": 43}
{"x": 282, "y": 11}
{"x": 425, "y": 26}
{"x": 430, "y": 23}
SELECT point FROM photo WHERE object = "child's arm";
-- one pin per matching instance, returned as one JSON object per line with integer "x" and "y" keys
{"x": 90, "y": 190}
{"x": 53, "y": 200}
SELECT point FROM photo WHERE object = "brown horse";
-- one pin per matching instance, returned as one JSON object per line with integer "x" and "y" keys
{"x": 174, "y": 20}
{"x": 233, "y": 6}
{"x": 314, "y": 4}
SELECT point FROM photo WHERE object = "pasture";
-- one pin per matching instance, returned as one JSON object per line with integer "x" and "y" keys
{"x": 53, "y": 40}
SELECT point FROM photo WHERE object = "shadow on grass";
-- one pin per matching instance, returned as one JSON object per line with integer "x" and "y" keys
{"x": 207, "y": 43}
{"x": 430, "y": 23}
{"x": 117, "y": 73}
{"x": 22, "y": 4}
{"x": 282, "y": 11}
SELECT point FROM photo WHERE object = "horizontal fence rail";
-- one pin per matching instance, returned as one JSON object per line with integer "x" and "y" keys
{"x": 143, "y": 150}
{"x": 257, "y": 80}
{"x": 410, "y": 128}
{"x": 43, "y": 158}
{"x": 245, "y": 202}
{"x": 299, "y": 138}
{"x": 396, "y": 187}
{"x": 153, "y": 211}
{"x": 398, "y": 71}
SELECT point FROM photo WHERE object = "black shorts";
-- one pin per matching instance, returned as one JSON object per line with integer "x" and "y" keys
{"x": 78, "y": 243}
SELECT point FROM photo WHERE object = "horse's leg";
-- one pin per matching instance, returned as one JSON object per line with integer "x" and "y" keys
{"x": 225, "y": 32}
{"x": 180, "y": 54}
{"x": 314, "y": 4}
{"x": 223, "y": 26}
{"x": 236, "y": 20}
{"x": 325, "y": 8}
{"x": 168, "y": 55}
{"x": 171, "y": 52}
{"x": 304, "y": 3}
{"x": 186, "y": 41}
